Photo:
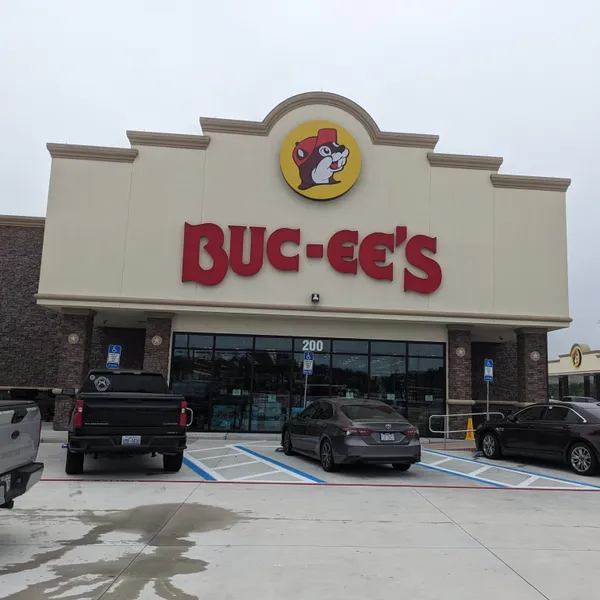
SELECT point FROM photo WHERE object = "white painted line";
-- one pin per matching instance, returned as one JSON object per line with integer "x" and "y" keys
{"x": 514, "y": 470}
{"x": 242, "y": 464}
{"x": 251, "y": 443}
{"x": 208, "y": 470}
{"x": 528, "y": 481}
{"x": 209, "y": 449}
{"x": 278, "y": 468}
{"x": 248, "y": 477}
{"x": 481, "y": 470}
{"x": 439, "y": 462}
{"x": 220, "y": 455}
{"x": 270, "y": 447}
{"x": 466, "y": 476}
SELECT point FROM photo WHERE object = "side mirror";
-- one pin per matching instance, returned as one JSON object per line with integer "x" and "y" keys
{"x": 69, "y": 392}
{"x": 512, "y": 418}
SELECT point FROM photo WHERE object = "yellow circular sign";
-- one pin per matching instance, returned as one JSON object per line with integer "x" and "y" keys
{"x": 576, "y": 356}
{"x": 320, "y": 160}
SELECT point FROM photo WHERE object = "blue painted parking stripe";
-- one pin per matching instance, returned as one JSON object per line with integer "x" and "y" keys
{"x": 463, "y": 475}
{"x": 514, "y": 469}
{"x": 194, "y": 467}
{"x": 280, "y": 464}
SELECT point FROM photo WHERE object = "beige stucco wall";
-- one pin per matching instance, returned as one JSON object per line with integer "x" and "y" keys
{"x": 115, "y": 230}
{"x": 309, "y": 328}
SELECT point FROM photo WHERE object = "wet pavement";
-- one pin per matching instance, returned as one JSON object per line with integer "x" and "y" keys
{"x": 126, "y": 530}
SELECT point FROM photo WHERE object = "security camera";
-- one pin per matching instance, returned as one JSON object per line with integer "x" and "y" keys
{"x": 314, "y": 298}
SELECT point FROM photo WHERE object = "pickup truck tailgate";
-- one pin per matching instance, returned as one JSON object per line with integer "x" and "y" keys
{"x": 129, "y": 412}
{"x": 19, "y": 433}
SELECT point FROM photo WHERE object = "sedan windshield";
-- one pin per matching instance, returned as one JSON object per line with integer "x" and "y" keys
{"x": 360, "y": 412}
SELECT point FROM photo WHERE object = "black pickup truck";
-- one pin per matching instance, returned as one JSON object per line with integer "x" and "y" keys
{"x": 126, "y": 413}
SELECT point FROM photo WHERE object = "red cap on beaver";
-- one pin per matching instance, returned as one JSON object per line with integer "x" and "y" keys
{"x": 308, "y": 145}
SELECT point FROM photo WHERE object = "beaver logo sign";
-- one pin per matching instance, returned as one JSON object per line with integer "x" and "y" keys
{"x": 576, "y": 356}
{"x": 320, "y": 160}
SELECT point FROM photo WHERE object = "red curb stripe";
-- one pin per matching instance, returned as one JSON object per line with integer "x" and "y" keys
{"x": 377, "y": 485}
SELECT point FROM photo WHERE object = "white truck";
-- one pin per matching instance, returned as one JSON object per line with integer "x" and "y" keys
{"x": 20, "y": 436}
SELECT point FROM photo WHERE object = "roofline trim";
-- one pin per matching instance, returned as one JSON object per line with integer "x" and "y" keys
{"x": 168, "y": 140}
{"x": 465, "y": 161}
{"x": 99, "y": 153}
{"x": 527, "y": 182}
{"x": 19, "y": 221}
{"x": 264, "y": 127}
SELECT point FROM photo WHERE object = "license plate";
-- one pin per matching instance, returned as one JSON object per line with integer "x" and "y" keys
{"x": 131, "y": 440}
{"x": 6, "y": 479}
{"x": 388, "y": 437}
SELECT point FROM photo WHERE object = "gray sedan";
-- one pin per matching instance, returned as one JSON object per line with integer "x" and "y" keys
{"x": 339, "y": 431}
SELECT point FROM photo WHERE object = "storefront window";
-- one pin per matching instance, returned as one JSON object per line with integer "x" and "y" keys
{"x": 425, "y": 388}
{"x": 180, "y": 340}
{"x": 318, "y": 384}
{"x": 388, "y": 381}
{"x": 273, "y": 343}
{"x": 200, "y": 341}
{"x": 233, "y": 342}
{"x": 350, "y": 376}
{"x": 433, "y": 350}
{"x": 553, "y": 388}
{"x": 388, "y": 348}
{"x": 253, "y": 383}
{"x": 233, "y": 376}
{"x": 576, "y": 385}
{"x": 181, "y": 366}
{"x": 271, "y": 389}
{"x": 350, "y": 346}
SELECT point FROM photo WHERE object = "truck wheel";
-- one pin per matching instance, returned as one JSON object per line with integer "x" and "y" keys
{"x": 172, "y": 462}
{"x": 74, "y": 464}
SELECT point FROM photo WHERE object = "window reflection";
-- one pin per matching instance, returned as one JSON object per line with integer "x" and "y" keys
{"x": 425, "y": 385}
{"x": 388, "y": 381}
{"x": 420, "y": 349}
{"x": 234, "y": 342}
{"x": 350, "y": 376}
{"x": 253, "y": 383}
{"x": 388, "y": 348}
{"x": 271, "y": 389}
{"x": 233, "y": 375}
{"x": 318, "y": 384}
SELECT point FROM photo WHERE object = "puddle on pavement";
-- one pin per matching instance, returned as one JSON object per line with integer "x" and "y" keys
{"x": 165, "y": 526}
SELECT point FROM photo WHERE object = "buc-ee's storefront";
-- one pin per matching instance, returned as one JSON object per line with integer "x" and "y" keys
{"x": 220, "y": 259}
{"x": 575, "y": 374}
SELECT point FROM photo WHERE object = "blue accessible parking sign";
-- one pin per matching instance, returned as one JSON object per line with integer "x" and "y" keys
{"x": 308, "y": 363}
{"x": 113, "y": 360}
{"x": 488, "y": 370}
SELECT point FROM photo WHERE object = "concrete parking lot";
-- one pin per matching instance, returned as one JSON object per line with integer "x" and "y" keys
{"x": 244, "y": 521}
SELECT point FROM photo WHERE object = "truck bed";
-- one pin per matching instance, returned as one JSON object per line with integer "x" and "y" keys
{"x": 20, "y": 431}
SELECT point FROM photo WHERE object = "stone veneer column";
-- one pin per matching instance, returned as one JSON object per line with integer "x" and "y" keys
{"x": 73, "y": 362}
{"x": 532, "y": 365}
{"x": 157, "y": 345}
{"x": 459, "y": 378}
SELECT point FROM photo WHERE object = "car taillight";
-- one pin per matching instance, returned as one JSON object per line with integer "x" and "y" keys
{"x": 183, "y": 414}
{"x": 412, "y": 432}
{"x": 360, "y": 431}
{"x": 78, "y": 418}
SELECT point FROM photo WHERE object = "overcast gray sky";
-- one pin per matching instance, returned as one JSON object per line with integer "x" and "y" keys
{"x": 517, "y": 78}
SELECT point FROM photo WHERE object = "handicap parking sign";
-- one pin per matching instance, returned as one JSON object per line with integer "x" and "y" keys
{"x": 113, "y": 360}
